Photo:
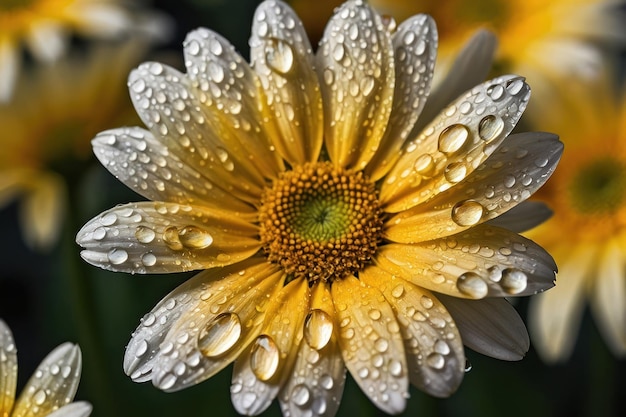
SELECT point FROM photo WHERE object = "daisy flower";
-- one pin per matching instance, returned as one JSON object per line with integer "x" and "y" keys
{"x": 45, "y": 25}
{"x": 46, "y": 125}
{"x": 49, "y": 391}
{"x": 329, "y": 236}
{"x": 588, "y": 195}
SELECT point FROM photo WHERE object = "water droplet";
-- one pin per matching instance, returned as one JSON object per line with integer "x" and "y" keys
{"x": 339, "y": 52}
{"x": 367, "y": 85}
{"x": 395, "y": 368}
{"x": 326, "y": 382}
{"x": 279, "y": 56}
{"x": 455, "y": 172}
{"x": 509, "y": 181}
{"x": 381, "y": 345}
{"x": 490, "y": 127}
{"x": 453, "y": 138}
{"x": 513, "y": 281}
{"x": 515, "y": 85}
{"x": 426, "y": 302}
{"x": 99, "y": 234}
{"x": 117, "y": 256}
{"x": 398, "y": 291}
{"x": 424, "y": 165}
{"x": 442, "y": 347}
{"x": 144, "y": 234}
{"x": 318, "y": 328}
{"x": 148, "y": 259}
{"x": 467, "y": 213}
{"x": 167, "y": 382}
{"x": 435, "y": 360}
{"x": 215, "y": 72}
{"x": 374, "y": 314}
{"x": 496, "y": 92}
{"x": 468, "y": 365}
{"x": 300, "y": 395}
{"x": 171, "y": 239}
{"x": 108, "y": 219}
{"x": 219, "y": 335}
{"x": 472, "y": 285}
{"x": 264, "y": 357}
{"x": 40, "y": 397}
{"x": 194, "y": 238}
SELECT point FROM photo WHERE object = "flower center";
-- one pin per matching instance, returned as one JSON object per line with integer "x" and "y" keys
{"x": 599, "y": 187}
{"x": 320, "y": 222}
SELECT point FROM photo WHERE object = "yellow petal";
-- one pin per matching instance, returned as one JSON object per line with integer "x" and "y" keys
{"x": 455, "y": 143}
{"x": 8, "y": 370}
{"x": 153, "y": 237}
{"x": 483, "y": 261}
{"x": 371, "y": 343}
{"x": 282, "y": 57}
{"x": 434, "y": 349}
{"x": 259, "y": 373}
{"x": 356, "y": 67}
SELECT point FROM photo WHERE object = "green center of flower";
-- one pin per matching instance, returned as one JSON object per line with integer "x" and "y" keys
{"x": 8, "y": 5}
{"x": 599, "y": 187}
{"x": 320, "y": 222}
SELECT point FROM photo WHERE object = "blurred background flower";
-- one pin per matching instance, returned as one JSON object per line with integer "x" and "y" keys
{"x": 51, "y": 297}
{"x": 45, "y": 26}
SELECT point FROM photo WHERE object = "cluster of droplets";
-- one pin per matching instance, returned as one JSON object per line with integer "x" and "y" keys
{"x": 320, "y": 222}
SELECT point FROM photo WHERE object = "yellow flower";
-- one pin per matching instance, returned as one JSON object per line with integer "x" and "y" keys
{"x": 588, "y": 195}
{"x": 329, "y": 235}
{"x": 45, "y": 25}
{"x": 49, "y": 391}
{"x": 44, "y": 130}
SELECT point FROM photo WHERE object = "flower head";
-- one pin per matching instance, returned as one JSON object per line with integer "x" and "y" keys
{"x": 44, "y": 25}
{"x": 330, "y": 235}
{"x": 46, "y": 126}
{"x": 49, "y": 391}
{"x": 588, "y": 195}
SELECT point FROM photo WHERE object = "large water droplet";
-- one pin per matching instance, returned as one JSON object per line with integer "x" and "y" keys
{"x": 490, "y": 127}
{"x": 424, "y": 165}
{"x": 279, "y": 56}
{"x": 455, "y": 172}
{"x": 513, "y": 281}
{"x": 220, "y": 334}
{"x": 453, "y": 138}
{"x": 467, "y": 213}
{"x": 300, "y": 395}
{"x": 318, "y": 328}
{"x": 194, "y": 238}
{"x": 435, "y": 360}
{"x": 117, "y": 256}
{"x": 472, "y": 285}
{"x": 171, "y": 239}
{"x": 264, "y": 357}
{"x": 144, "y": 234}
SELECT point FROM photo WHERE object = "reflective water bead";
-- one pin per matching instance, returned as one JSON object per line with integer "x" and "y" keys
{"x": 490, "y": 127}
{"x": 467, "y": 213}
{"x": 453, "y": 138}
{"x": 219, "y": 335}
{"x": 318, "y": 329}
{"x": 513, "y": 281}
{"x": 472, "y": 285}
{"x": 264, "y": 357}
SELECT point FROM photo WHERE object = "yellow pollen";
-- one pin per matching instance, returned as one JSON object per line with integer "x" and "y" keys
{"x": 320, "y": 222}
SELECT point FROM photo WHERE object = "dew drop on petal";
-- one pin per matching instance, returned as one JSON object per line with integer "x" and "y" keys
{"x": 194, "y": 238}
{"x": 490, "y": 127}
{"x": 148, "y": 259}
{"x": 219, "y": 335}
{"x": 144, "y": 234}
{"x": 40, "y": 397}
{"x": 442, "y": 347}
{"x": 513, "y": 281}
{"x": 117, "y": 256}
{"x": 467, "y": 213}
{"x": 455, "y": 172}
{"x": 300, "y": 395}
{"x": 424, "y": 165}
{"x": 318, "y": 328}
{"x": 472, "y": 285}
{"x": 279, "y": 56}
{"x": 453, "y": 138}
{"x": 264, "y": 357}
{"x": 171, "y": 239}
{"x": 435, "y": 360}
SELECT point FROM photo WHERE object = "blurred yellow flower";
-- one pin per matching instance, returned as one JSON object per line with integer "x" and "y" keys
{"x": 47, "y": 125}
{"x": 45, "y": 26}
{"x": 49, "y": 391}
{"x": 329, "y": 235}
{"x": 587, "y": 234}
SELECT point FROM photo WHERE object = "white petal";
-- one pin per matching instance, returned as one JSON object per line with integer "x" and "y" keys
{"x": 433, "y": 346}
{"x": 147, "y": 166}
{"x": 457, "y": 142}
{"x": 609, "y": 297}
{"x": 356, "y": 68}
{"x": 415, "y": 50}
{"x": 53, "y": 384}
{"x": 371, "y": 343}
{"x": 229, "y": 90}
{"x": 8, "y": 367}
{"x": 281, "y": 55}
{"x": 555, "y": 315}
{"x": 9, "y": 69}
{"x": 483, "y": 261}
{"x": 167, "y": 347}
{"x": 77, "y": 409}
{"x": 47, "y": 41}
{"x": 149, "y": 237}
{"x": 490, "y": 326}
{"x": 470, "y": 68}
{"x": 520, "y": 166}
